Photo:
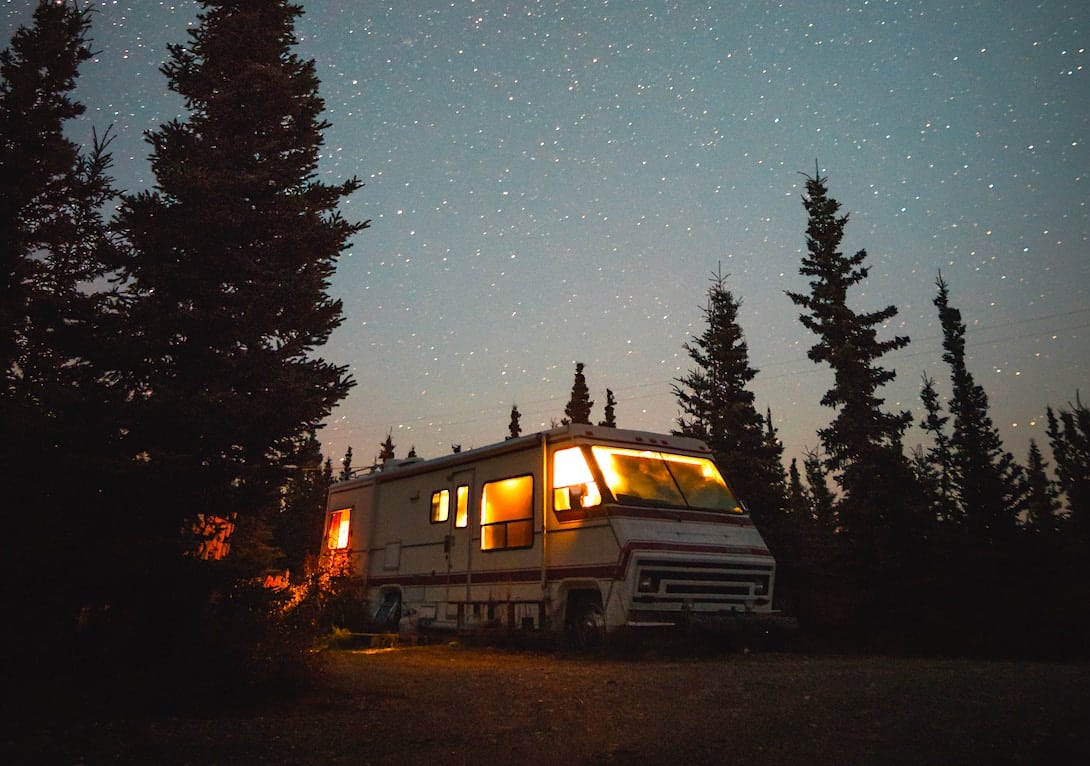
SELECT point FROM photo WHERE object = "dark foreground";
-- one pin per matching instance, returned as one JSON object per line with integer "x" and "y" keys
{"x": 455, "y": 705}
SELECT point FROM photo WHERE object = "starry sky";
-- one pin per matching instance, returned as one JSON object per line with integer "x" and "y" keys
{"x": 556, "y": 182}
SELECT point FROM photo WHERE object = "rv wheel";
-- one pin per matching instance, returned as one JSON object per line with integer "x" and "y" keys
{"x": 589, "y": 627}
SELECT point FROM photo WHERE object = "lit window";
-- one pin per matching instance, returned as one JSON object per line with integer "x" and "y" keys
{"x": 440, "y": 505}
{"x": 573, "y": 484}
{"x": 507, "y": 512}
{"x": 461, "y": 511}
{"x": 338, "y": 529}
{"x": 646, "y": 477}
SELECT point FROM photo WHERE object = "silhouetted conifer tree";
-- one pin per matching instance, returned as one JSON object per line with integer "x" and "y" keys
{"x": 50, "y": 194}
{"x": 799, "y": 506}
{"x": 718, "y": 408}
{"x": 578, "y": 408}
{"x": 1069, "y": 437}
{"x": 386, "y": 449}
{"x": 822, "y": 499}
{"x": 880, "y": 503}
{"x": 1042, "y": 498}
{"x": 56, "y": 413}
{"x": 934, "y": 468}
{"x": 346, "y": 465}
{"x": 233, "y": 254}
{"x": 298, "y": 529}
{"x": 985, "y": 478}
{"x": 610, "y": 411}
{"x": 513, "y": 427}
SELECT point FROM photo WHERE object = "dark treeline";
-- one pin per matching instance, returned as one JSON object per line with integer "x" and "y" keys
{"x": 161, "y": 396}
{"x": 953, "y": 548}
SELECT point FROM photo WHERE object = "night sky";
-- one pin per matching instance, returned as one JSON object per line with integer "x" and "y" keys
{"x": 553, "y": 182}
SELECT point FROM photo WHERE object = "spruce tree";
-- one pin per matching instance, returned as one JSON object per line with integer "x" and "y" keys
{"x": 346, "y": 465}
{"x": 610, "y": 410}
{"x": 578, "y": 407}
{"x": 718, "y": 407}
{"x": 799, "y": 505}
{"x": 1042, "y": 498}
{"x": 54, "y": 240}
{"x": 1069, "y": 437}
{"x": 55, "y": 415}
{"x": 233, "y": 254}
{"x": 513, "y": 427}
{"x": 986, "y": 479}
{"x": 38, "y": 164}
{"x": 298, "y": 529}
{"x": 863, "y": 444}
{"x": 935, "y": 467}
{"x": 386, "y": 449}
{"x": 822, "y": 499}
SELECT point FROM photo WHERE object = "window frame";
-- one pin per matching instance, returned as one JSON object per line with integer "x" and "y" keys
{"x": 439, "y": 513}
{"x": 488, "y": 529}
{"x": 344, "y": 529}
{"x": 595, "y": 486}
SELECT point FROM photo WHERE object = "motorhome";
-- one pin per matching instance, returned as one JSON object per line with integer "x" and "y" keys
{"x": 579, "y": 531}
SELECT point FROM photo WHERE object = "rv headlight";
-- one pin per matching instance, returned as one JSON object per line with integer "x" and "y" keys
{"x": 647, "y": 584}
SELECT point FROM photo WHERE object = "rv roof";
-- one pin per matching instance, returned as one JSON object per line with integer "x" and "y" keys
{"x": 577, "y": 433}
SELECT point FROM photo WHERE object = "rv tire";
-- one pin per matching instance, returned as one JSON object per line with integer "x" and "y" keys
{"x": 589, "y": 626}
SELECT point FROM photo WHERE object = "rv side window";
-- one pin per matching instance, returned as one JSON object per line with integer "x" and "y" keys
{"x": 338, "y": 529}
{"x": 461, "y": 509}
{"x": 440, "y": 505}
{"x": 507, "y": 514}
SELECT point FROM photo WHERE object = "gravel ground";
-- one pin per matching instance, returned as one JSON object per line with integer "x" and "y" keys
{"x": 450, "y": 704}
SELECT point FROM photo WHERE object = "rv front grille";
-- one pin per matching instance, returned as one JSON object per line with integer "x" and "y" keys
{"x": 671, "y": 585}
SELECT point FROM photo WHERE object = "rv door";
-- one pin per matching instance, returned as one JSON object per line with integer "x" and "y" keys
{"x": 459, "y": 548}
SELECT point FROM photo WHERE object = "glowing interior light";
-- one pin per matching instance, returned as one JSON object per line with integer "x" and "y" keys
{"x": 570, "y": 467}
{"x": 573, "y": 483}
{"x": 440, "y": 505}
{"x": 461, "y": 511}
{"x": 663, "y": 479}
{"x": 338, "y": 529}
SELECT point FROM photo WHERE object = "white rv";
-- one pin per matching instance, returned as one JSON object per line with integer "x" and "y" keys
{"x": 580, "y": 529}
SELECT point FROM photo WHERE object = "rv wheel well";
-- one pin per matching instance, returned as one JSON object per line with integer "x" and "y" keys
{"x": 578, "y": 599}
{"x": 584, "y": 621}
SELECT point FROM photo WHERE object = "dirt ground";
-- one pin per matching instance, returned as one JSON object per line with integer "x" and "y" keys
{"x": 450, "y": 704}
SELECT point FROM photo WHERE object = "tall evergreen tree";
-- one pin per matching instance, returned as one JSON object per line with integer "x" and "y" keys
{"x": 822, "y": 499}
{"x": 799, "y": 505}
{"x": 297, "y": 532}
{"x": 863, "y": 443}
{"x": 346, "y": 465}
{"x": 39, "y": 170}
{"x": 986, "y": 479}
{"x": 578, "y": 407}
{"x": 233, "y": 254}
{"x": 54, "y": 413}
{"x": 718, "y": 407}
{"x": 935, "y": 467}
{"x": 54, "y": 240}
{"x": 1069, "y": 437}
{"x": 1042, "y": 500}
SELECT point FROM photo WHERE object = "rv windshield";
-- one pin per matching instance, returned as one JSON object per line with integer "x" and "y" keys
{"x": 646, "y": 477}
